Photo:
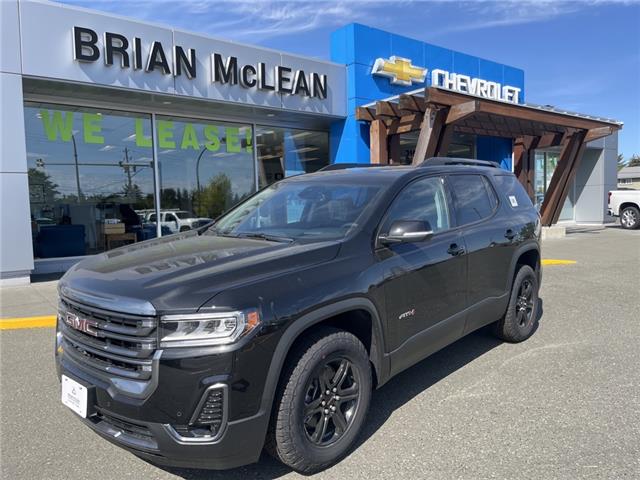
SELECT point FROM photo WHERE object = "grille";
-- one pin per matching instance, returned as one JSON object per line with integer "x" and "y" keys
{"x": 132, "y": 429}
{"x": 121, "y": 344}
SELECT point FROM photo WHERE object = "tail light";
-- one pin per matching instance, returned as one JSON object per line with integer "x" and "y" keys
{"x": 609, "y": 199}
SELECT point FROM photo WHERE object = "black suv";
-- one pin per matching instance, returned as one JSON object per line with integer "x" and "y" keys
{"x": 271, "y": 327}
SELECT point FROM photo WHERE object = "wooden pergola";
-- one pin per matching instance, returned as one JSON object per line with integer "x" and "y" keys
{"x": 437, "y": 113}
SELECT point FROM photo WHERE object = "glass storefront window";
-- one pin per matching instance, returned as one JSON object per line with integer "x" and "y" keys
{"x": 205, "y": 168}
{"x": 90, "y": 172}
{"x": 546, "y": 162}
{"x": 462, "y": 146}
{"x": 283, "y": 152}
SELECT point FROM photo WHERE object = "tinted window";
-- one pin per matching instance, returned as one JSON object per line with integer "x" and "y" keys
{"x": 424, "y": 200}
{"x": 512, "y": 191}
{"x": 315, "y": 210}
{"x": 474, "y": 198}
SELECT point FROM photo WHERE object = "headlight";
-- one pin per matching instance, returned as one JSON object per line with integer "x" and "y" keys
{"x": 205, "y": 329}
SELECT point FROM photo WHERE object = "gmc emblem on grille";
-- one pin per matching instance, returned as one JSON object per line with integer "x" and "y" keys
{"x": 82, "y": 324}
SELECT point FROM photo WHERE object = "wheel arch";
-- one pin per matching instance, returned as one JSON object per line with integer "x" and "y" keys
{"x": 330, "y": 315}
{"x": 525, "y": 255}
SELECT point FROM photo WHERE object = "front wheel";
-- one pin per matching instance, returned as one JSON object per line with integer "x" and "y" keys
{"x": 630, "y": 218}
{"x": 323, "y": 401}
{"x": 521, "y": 317}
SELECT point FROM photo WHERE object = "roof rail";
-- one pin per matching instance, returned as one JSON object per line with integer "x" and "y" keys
{"x": 344, "y": 166}
{"x": 429, "y": 162}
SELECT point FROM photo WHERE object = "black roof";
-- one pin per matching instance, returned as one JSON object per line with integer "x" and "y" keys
{"x": 368, "y": 173}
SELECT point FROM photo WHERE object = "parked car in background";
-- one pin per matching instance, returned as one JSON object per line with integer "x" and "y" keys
{"x": 178, "y": 220}
{"x": 626, "y": 205}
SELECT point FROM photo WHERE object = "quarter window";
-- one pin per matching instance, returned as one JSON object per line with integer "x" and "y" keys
{"x": 474, "y": 198}
{"x": 423, "y": 200}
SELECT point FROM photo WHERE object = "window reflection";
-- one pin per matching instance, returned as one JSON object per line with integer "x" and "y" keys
{"x": 205, "y": 168}
{"x": 89, "y": 171}
{"x": 287, "y": 152}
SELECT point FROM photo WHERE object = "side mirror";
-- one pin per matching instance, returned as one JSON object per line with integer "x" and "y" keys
{"x": 407, "y": 231}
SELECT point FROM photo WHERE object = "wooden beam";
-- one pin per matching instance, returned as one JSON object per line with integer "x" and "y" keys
{"x": 387, "y": 109}
{"x": 366, "y": 114}
{"x": 550, "y": 140}
{"x": 378, "y": 143}
{"x": 524, "y": 162}
{"x": 412, "y": 103}
{"x": 570, "y": 158}
{"x": 440, "y": 97}
{"x": 598, "y": 133}
{"x": 462, "y": 110}
{"x": 405, "y": 124}
{"x": 430, "y": 134}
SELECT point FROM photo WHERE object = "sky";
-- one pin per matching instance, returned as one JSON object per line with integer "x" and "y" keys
{"x": 582, "y": 56}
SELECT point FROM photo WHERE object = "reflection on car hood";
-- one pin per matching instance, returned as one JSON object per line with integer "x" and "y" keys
{"x": 182, "y": 272}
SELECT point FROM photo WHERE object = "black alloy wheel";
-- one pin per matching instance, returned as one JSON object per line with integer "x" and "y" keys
{"x": 521, "y": 317}
{"x": 524, "y": 303}
{"x": 322, "y": 400}
{"x": 331, "y": 400}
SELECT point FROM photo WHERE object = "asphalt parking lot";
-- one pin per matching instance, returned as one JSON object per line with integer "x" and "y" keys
{"x": 565, "y": 404}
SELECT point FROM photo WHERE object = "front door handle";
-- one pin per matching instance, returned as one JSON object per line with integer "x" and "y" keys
{"x": 509, "y": 234}
{"x": 455, "y": 250}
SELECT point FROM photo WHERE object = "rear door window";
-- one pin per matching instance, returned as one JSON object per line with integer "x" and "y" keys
{"x": 474, "y": 197}
{"x": 512, "y": 191}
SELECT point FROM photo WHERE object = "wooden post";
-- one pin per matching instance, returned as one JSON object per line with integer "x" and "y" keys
{"x": 430, "y": 134}
{"x": 524, "y": 162}
{"x": 378, "y": 140}
{"x": 570, "y": 158}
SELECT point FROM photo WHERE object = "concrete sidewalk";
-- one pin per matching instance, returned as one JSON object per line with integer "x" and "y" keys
{"x": 37, "y": 299}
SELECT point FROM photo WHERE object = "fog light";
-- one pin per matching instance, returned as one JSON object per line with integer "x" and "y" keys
{"x": 209, "y": 418}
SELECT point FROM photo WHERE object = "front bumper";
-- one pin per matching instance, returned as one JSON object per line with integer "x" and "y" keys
{"x": 153, "y": 427}
{"x": 160, "y": 444}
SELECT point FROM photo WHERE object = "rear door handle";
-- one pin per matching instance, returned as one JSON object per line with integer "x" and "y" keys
{"x": 509, "y": 234}
{"x": 455, "y": 250}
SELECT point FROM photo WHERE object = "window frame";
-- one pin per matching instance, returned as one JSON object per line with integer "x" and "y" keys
{"x": 448, "y": 198}
{"x": 496, "y": 207}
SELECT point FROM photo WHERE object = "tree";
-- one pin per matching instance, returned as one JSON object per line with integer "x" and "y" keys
{"x": 214, "y": 198}
{"x": 621, "y": 162}
{"x": 635, "y": 161}
{"x": 41, "y": 188}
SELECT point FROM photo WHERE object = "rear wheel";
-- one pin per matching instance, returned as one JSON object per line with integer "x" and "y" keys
{"x": 323, "y": 400}
{"x": 630, "y": 218}
{"x": 521, "y": 317}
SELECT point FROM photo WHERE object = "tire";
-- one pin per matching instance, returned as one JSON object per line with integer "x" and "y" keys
{"x": 521, "y": 317}
{"x": 630, "y": 218}
{"x": 309, "y": 442}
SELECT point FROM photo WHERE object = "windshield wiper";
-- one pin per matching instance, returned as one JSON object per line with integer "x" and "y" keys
{"x": 265, "y": 236}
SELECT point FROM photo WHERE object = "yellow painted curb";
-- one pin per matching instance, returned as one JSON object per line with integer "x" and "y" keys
{"x": 551, "y": 261}
{"x": 28, "y": 322}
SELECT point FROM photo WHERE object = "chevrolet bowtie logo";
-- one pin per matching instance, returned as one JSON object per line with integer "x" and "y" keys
{"x": 399, "y": 70}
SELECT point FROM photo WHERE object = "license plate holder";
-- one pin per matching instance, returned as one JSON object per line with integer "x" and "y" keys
{"x": 76, "y": 396}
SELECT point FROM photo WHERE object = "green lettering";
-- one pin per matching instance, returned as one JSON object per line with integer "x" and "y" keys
{"x": 248, "y": 132}
{"x": 56, "y": 124}
{"x": 165, "y": 134}
{"x": 211, "y": 134}
{"x": 233, "y": 142}
{"x": 92, "y": 126}
{"x": 142, "y": 140}
{"x": 189, "y": 138}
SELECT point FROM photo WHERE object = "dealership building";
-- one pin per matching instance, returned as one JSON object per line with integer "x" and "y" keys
{"x": 114, "y": 131}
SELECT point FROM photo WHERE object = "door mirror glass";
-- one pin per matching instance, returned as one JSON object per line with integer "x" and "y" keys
{"x": 407, "y": 231}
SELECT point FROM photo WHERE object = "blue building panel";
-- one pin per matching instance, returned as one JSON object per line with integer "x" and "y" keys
{"x": 358, "y": 46}
{"x": 465, "y": 64}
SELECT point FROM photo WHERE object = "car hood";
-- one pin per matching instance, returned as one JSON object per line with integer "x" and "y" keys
{"x": 181, "y": 272}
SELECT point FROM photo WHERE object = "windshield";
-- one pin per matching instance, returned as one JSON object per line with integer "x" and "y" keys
{"x": 183, "y": 215}
{"x": 295, "y": 210}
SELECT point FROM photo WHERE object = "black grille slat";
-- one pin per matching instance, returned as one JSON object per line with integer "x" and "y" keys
{"x": 122, "y": 344}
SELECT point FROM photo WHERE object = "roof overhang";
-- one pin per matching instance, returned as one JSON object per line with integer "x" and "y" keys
{"x": 481, "y": 116}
